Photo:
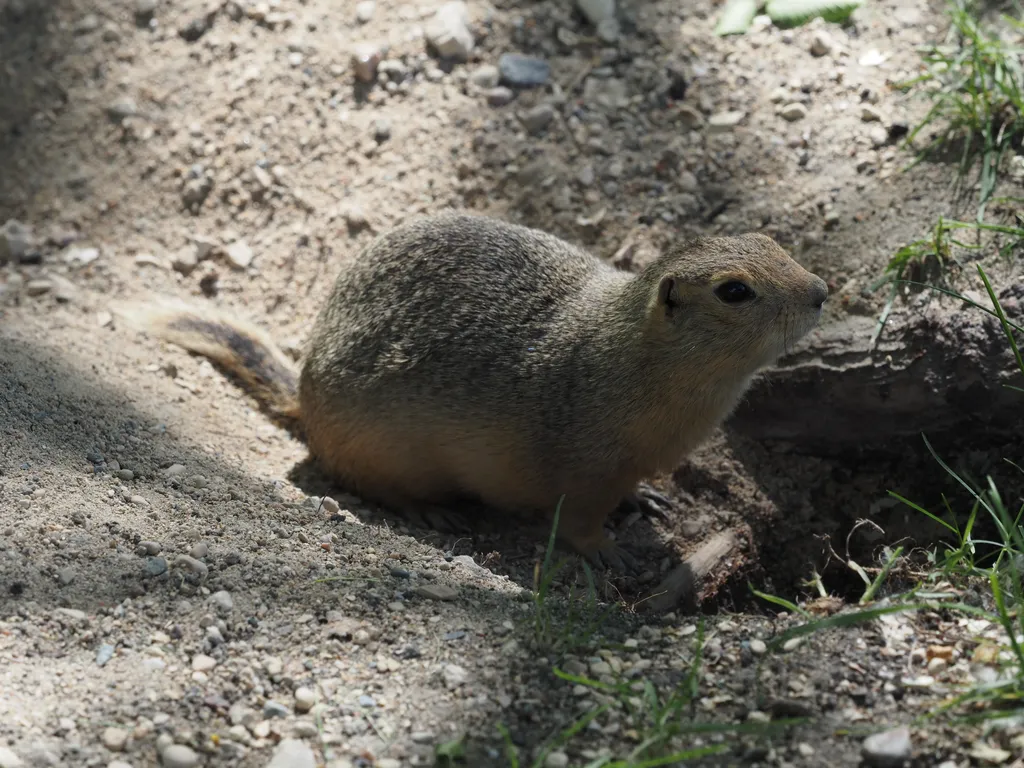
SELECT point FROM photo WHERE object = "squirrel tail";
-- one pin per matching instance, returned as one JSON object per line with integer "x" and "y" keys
{"x": 237, "y": 346}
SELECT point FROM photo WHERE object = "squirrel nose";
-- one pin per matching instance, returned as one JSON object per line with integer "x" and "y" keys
{"x": 819, "y": 292}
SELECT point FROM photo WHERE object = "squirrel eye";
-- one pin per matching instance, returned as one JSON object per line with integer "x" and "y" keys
{"x": 733, "y": 292}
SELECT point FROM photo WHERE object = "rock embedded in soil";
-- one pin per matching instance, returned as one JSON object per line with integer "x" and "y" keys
{"x": 521, "y": 71}
{"x": 888, "y": 749}
{"x": 448, "y": 31}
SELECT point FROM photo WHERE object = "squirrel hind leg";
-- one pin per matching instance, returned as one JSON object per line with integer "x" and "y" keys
{"x": 581, "y": 526}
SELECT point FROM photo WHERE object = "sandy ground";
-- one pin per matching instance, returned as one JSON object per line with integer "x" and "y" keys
{"x": 173, "y": 588}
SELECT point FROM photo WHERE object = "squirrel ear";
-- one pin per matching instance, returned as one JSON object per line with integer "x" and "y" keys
{"x": 668, "y": 296}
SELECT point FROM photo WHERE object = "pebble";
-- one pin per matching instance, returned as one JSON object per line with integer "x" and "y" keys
{"x": 156, "y": 566}
{"x": 436, "y": 592}
{"x": 292, "y": 753}
{"x": 596, "y": 11}
{"x": 104, "y": 654}
{"x": 822, "y": 43}
{"x": 239, "y": 254}
{"x": 9, "y": 760}
{"x": 454, "y": 675}
{"x": 889, "y": 748}
{"x": 758, "y": 647}
{"x": 115, "y": 739}
{"x": 690, "y": 116}
{"x": 273, "y": 708}
{"x": 200, "y": 550}
{"x": 65, "y": 576}
{"x": 178, "y": 756}
{"x": 556, "y": 760}
{"x": 365, "y": 10}
{"x": 793, "y": 112}
{"x": 223, "y": 601}
{"x": 448, "y": 31}
{"x": 305, "y": 698}
{"x": 381, "y": 130}
{"x": 197, "y": 567}
{"x": 125, "y": 474}
{"x": 150, "y": 547}
{"x": 538, "y": 118}
{"x": 15, "y": 241}
{"x": 365, "y": 60}
{"x": 500, "y": 96}
{"x": 879, "y": 136}
{"x": 870, "y": 114}
{"x": 522, "y": 71}
{"x": 118, "y": 764}
{"x": 725, "y": 121}
{"x": 485, "y": 76}
{"x": 203, "y": 663}
{"x": 38, "y": 287}
{"x": 145, "y": 8}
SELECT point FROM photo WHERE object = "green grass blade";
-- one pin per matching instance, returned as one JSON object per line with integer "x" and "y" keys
{"x": 736, "y": 17}
{"x": 791, "y": 13}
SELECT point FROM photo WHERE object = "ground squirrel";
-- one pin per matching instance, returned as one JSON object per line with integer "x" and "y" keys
{"x": 461, "y": 357}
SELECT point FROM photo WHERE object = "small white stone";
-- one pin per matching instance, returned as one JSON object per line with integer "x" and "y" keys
{"x": 305, "y": 698}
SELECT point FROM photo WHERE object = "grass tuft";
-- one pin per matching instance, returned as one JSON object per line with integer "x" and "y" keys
{"x": 975, "y": 83}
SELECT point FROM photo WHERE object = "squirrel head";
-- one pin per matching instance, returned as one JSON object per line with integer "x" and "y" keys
{"x": 741, "y": 297}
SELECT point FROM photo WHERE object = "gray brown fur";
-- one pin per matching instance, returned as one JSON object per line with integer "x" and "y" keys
{"x": 463, "y": 357}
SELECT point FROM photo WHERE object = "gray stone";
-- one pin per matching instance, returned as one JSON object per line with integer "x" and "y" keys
{"x": 521, "y": 71}
{"x": 448, "y": 31}
{"x": 273, "y": 708}
{"x": 538, "y": 118}
{"x": 597, "y": 11}
{"x": 156, "y": 566}
{"x": 888, "y": 749}
{"x": 104, "y": 654}
{"x": 292, "y": 753}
